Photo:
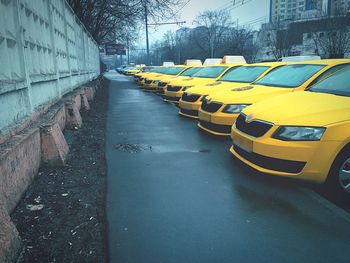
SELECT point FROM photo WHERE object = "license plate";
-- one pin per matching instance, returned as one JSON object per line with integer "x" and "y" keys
{"x": 205, "y": 117}
{"x": 244, "y": 144}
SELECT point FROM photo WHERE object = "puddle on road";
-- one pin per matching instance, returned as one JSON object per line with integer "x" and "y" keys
{"x": 132, "y": 148}
{"x": 173, "y": 149}
{"x": 137, "y": 148}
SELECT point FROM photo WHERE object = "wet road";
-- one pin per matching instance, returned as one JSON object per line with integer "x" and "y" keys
{"x": 176, "y": 195}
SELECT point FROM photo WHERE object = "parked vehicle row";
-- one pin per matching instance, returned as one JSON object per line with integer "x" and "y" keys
{"x": 286, "y": 118}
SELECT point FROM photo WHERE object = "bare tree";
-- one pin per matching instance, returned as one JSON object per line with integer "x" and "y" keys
{"x": 332, "y": 38}
{"x": 103, "y": 18}
{"x": 278, "y": 39}
{"x": 240, "y": 41}
{"x": 212, "y": 25}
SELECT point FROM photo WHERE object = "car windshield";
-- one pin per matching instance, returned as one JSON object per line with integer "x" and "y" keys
{"x": 210, "y": 72}
{"x": 290, "y": 76}
{"x": 337, "y": 84}
{"x": 189, "y": 72}
{"x": 159, "y": 70}
{"x": 174, "y": 70}
{"x": 244, "y": 74}
{"x": 148, "y": 69}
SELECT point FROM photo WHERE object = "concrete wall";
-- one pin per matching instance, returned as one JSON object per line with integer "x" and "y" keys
{"x": 45, "y": 52}
{"x": 46, "y": 56}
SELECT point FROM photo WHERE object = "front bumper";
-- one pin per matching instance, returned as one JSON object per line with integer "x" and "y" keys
{"x": 189, "y": 109}
{"x": 217, "y": 123}
{"x": 305, "y": 160}
{"x": 160, "y": 90}
{"x": 141, "y": 83}
{"x": 150, "y": 87}
{"x": 171, "y": 99}
{"x": 172, "y": 96}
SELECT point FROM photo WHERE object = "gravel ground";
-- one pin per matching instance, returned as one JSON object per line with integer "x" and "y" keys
{"x": 61, "y": 217}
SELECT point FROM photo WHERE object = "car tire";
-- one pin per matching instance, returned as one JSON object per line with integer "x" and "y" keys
{"x": 338, "y": 181}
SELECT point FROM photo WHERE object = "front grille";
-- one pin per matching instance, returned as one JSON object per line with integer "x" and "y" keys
{"x": 210, "y": 107}
{"x": 174, "y": 88}
{"x": 216, "y": 127}
{"x": 151, "y": 88}
{"x": 148, "y": 81}
{"x": 271, "y": 163}
{"x": 255, "y": 128}
{"x": 172, "y": 98}
{"x": 160, "y": 91}
{"x": 161, "y": 84}
{"x": 190, "y": 98}
{"x": 193, "y": 113}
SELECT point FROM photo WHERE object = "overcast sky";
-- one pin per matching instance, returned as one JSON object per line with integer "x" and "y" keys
{"x": 252, "y": 13}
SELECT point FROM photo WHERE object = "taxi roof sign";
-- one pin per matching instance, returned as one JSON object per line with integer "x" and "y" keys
{"x": 299, "y": 58}
{"x": 190, "y": 62}
{"x": 168, "y": 63}
{"x": 212, "y": 61}
{"x": 233, "y": 59}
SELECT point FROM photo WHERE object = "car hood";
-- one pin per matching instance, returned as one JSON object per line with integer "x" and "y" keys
{"x": 157, "y": 77}
{"x": 168, "y": 79}
{"x": 190, "y": 81}
{"x": 247, "y": 94}
{"x": 208, "y": 88}
{"x": 302, "y": 108}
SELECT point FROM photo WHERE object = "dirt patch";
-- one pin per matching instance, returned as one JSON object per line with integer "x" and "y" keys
{"x": 61, "y": 217}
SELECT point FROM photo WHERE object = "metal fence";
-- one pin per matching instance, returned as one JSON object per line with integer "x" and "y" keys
{"x": 45, "y": 52}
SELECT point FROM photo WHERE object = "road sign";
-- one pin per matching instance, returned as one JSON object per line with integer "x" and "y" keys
{"x": 115, "y": 49}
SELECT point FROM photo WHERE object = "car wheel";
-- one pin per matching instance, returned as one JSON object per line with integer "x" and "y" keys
{"x": 339, "y": 176}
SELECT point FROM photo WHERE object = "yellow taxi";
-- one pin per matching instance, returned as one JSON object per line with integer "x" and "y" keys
{"x": 151, "y": 82}
{"x": 144, "y": 71}
{"x": 164, "y": 81}
{"x": 302, "y": 135}
{"x": 219, "y": 110}
{"x": 157, "y": 71}
{"x": 174, "y": 90}
{"x": 130, "y": 71}
{"x": 191, "y": 100}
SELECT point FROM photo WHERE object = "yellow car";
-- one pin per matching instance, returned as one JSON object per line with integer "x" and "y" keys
{"x": 188, "y": 72}
{"x": 191, "y": 100}
{"x": 151, "y": 82}
{"x": 153, "y": 72}
{"x": 174, "y": 90}
{"x": 302, "y": 135}
{"x": 144, "y": 71}
{"x": 220, "y": 109}
{"x": 130, "y": 71}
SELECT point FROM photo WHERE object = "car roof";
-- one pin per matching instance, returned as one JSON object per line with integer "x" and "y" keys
{"x": 324, "y": 62}
{"x": 270, "y": 64}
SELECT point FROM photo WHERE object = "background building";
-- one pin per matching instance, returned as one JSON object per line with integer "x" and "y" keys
{"x": 337, "y": 7}
{"x": 281, "y": 10}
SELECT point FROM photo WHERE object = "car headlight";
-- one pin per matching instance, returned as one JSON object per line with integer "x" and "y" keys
{"x": 186, "y": 88}
{"x": 295, "y": 133}
{"x": 234, "y": 108}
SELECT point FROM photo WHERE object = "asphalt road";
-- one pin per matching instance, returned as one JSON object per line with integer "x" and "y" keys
{"x": 175, "y": 194}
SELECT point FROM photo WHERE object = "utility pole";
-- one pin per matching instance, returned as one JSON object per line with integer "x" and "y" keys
{"x": 147, "y": 42}
{"x": 127, "y": 43}
{"x": 154, "y": 24}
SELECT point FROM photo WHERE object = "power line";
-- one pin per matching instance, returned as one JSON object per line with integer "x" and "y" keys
{"x": 168, "y": 23}
{"x": 224, "y": 6}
